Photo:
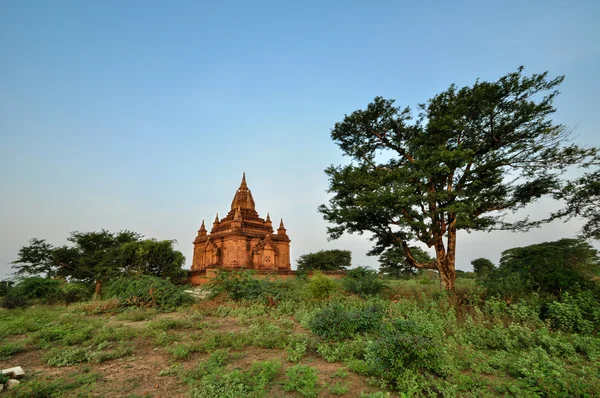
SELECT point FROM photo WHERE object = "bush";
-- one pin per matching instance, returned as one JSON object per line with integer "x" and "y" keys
{"x": 337, "y": 322}
{"x": 240, "y": 285}
{"x": 147, "y": 291}
{"x": 75, "y": 292}
{"x": 12, "y": 302}
{"x": 35, "y": 288}
{"x": 320, "y": 286}
{"x": 5, "y": 287}
{"x": 363, "y": 281}
{"x": 402, "y": 346}
{"x": 579, "y": 313}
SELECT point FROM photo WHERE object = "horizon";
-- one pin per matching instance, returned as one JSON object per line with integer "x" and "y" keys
{"x": 144, "y": 116}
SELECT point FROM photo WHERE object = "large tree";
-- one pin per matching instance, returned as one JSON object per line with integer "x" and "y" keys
{"x": 393, "y": 262}
{"x": 466, "y": 158}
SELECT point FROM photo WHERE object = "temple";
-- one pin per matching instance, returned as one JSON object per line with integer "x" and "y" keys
{"x": 242, "y": 239}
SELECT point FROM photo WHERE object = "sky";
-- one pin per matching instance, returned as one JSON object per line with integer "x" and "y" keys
{"x": 143, "y": 115}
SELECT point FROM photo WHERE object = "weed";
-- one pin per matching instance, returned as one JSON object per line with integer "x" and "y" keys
{"x": 137, "y": 314}
{"x": 9, "y": 348}
{"x": 302, "y": 379}
{"x": 338, "y": 388}
{"x": 296, "y": 347}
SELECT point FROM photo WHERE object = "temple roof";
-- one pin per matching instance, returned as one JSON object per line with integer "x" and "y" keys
{"x": 243, "y": 197}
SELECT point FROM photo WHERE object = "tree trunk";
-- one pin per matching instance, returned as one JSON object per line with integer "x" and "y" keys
{"x": 446, "y": 260}
{"x": 98, "y": 291}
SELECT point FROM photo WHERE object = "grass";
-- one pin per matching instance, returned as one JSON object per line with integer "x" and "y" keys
{"x": 413, "y": 341}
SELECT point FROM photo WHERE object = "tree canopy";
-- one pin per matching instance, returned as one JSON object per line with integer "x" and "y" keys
{"x": 393, "y": 262}
{"x": 325, "y": 260}
{"x": 548, "y": 268}
{"x": 482, "y": 267}
{"x": 465, "y": 159}
{"x": 99, "y": 256}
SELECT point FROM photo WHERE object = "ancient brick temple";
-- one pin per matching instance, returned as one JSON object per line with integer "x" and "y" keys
{"x": 242, "y": 239}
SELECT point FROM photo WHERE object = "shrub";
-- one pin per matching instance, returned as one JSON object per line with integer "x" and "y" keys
{"x": 579, "y": 313}
{"x": 36, "y": 288}
{"x": 363, "y": 281}
{"x": 402, "y": 346}
{"x": 12, "y": 302}
{"x": 337, "y": 322}
{"x": 240, "y": 285}
{"x": 75, "y": 292}
{"x": 148, "y": 291}
{"x": 320, "y": 286}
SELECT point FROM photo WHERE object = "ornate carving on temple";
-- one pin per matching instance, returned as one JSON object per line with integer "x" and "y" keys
{"x": 242, "y": 239}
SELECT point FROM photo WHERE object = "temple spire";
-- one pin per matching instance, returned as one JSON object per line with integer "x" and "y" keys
{"x": 243, "y": 197}
{"x": 202, "y": 230}
{"x": 281, "y": 230}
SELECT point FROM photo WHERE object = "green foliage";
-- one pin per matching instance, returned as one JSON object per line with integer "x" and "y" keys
{"x": 342, "y": 351}
{"x": 5, "y": 287}
{"x": 56, "y": 387}
{"x": 67, "y": 356}
{"x": 75, "y": 292}
{"x": 239, "y": 285}
{"x": 296, "y": 347}
{"x": 211, "y": 379}
{"x": 9, "y": 348}
{"x": 467, "y": 154}
{"x": 579, "y": 313}
{"x": 582, "y": 199}
{"x": 482, "y": 267}
{"x": 325, "y": 260}
{"x": 363, "y": 281}
{"x": 393, "y": 263}
{"x": 320, "y": 286}
{"x": 96, "y": 257}
{"x": 147, "y": 291}
{"x": 302, "y": 379}
{"x": 337, "y": 321}
{"x": 403, "y": 345}
{"x": 547, "y": 268}
{"x": 152, "y": 257}
{"x": 36, "y": 288}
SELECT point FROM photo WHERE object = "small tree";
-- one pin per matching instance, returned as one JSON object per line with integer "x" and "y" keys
{"x": 482, "y": 267}
{"x": 325, "y": 260}
{"x": 96, "y": 257}
{"x": 471, "y": 155}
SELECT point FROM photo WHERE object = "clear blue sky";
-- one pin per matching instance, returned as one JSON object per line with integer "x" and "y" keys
{"x": 143, "y": 115}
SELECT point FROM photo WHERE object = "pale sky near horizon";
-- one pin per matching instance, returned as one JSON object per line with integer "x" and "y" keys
{"x": 142, "y": 115}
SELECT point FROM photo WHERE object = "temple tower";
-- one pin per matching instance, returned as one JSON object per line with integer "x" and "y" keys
{"x": 242, "y": 239}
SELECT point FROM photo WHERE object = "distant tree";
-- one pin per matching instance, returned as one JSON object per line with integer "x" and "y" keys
{"x": 393, "y": 262}
{"x": 468, "y": 157}
{"x": 325, "y": 260}
{"x": 152, "y": 257}
{"x": 482, "y": 267}
{"x": 546, "y": 268}
{"x": 96, "y": 257}
{"x": 363, "y": 281}
{"x": 37, "y": 259}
